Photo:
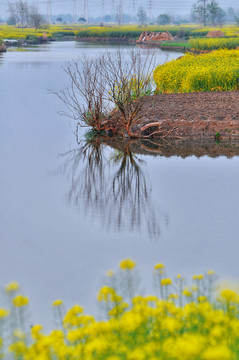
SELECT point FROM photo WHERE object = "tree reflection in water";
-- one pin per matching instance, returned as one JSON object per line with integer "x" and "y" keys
{"x": 113, "y": 186}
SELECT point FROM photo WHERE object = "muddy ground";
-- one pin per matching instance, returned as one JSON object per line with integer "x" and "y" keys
{"x": 193, "y": 115}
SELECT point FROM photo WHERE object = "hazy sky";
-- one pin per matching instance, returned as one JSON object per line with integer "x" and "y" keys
{"x": 98, "y": 7}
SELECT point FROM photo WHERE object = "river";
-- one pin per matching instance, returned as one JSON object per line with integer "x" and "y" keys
{"x": 64, "y": 220}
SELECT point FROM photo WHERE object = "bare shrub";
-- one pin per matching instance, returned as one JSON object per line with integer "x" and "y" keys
{"x": 84, "y": 97}
{"x": 128, "y": 79}
{"x": 122, "y": 80}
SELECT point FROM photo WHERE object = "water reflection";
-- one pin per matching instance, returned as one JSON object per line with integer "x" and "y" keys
{"x": 107, "y": 178}
{"x": 109, "y": 181}
{"x": 185, "y": 148}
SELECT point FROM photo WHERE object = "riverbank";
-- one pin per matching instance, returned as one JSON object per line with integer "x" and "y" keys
{"x": 3, "y": 48}
{"x": 192, "y": 115}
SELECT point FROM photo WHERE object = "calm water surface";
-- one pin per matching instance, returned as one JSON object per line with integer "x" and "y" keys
{"x": 65, "y": 220}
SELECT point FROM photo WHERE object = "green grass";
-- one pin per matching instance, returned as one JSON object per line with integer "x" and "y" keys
{"x": 177, "y": 44}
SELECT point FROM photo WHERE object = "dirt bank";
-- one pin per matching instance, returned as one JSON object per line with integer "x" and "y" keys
{"x": 176, "y": 147}
{"x": 3, "y": 48}
{"x": 194, "y": 115}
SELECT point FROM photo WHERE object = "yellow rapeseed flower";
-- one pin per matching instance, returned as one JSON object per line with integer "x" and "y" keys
{"x": 127, "y": 264}
{"x": 18, "y": 333}
{"x": 211, "y": 272}
{"x": 159, "y": 266}
{"x": 11, "y": 287}
{"x": 3, "y": 313}
{"x": 187, "y": 292}
{"x": 110, "y": 273}
{"x": 35, "y": 331}
{"x": 166, "y": 281}
{"x": 198, "y": 277}
{"x": 58, "y": 302}
{"x": 20, "y": 301}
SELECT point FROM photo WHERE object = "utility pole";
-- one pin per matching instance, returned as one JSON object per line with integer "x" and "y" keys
{"x": 113, "y": 10}
{"x": 49, "y": 12}
{"x": 85, "y": 11}
{"x": 102, "y": 10}
{"x": 74, "y": 11}
{"x": 150, "y": 7}
{"x": 120, "y": 11}
{"x": 133, "y": 8}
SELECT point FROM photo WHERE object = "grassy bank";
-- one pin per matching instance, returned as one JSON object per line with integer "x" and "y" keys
{"x": 185, "y": 320}
{"x": 174, "y": 44}
{"x": 125, "y": 31}
{"x": 215, "y": 71}
{"x": 86, "y": 31}
{"x": 47, "y": 32}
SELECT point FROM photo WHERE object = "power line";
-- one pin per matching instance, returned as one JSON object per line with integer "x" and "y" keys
{"x": 85, "y": 12}
{"x": 74, "y": 11}
{"x": 49, "y": 12}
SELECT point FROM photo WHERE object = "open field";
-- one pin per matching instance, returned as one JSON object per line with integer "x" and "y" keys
{"x": 215, "y": 71}
{"x": 129, "y": 31}
{"x": 213, "y": 43}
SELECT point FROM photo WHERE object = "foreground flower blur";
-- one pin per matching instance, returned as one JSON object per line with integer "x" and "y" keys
{"x": 180, "y": 323}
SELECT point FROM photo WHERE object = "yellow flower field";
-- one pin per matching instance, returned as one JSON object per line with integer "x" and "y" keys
{"x": 130, "y": 31}
{"x": 214, "y": 43}
{"x": 183, "y": 321}
{"x": 215, "y": 71}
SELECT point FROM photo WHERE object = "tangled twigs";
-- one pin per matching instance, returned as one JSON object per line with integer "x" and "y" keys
{"x": 111, "y": 82}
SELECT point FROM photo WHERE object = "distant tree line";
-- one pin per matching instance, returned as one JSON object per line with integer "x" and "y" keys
{"x": 208, "y": 12}
{"x": 24, "y": 15}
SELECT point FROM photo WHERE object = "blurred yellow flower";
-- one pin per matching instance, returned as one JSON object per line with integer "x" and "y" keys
{"x": 159, "y": 266}
{"x": 127, "y": 264}
{"x": 4, "y": 313}
{"x": 20, "y": 301}
{"x": 11, "y": 287}
{"x": 57, "y": 303}
{"x": 187, "y": 292}
{"x": 18, "y": 333}
{"x": 211, "y": 272}
{"x": 110, "y": 273}
{"x": 166, "y": 281}
{"x": 198, "y": 277}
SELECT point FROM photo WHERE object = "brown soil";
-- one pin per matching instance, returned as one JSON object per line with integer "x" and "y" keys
{"x": 3, "y": 48}
{"x": 193, "y": 115}
{"x": 148, "y": 36}
{"x": 215, "y": 33}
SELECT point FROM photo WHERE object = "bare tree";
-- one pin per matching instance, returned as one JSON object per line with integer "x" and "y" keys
{"x": 236, "y": 16}
{"x": 35, "y": 18}
{"x": 12, "y": 13}
{"x": 128, "y": 80}
{"x": 120, "y": 80}
{"x": 142, "y": 16}
{"x": 22, "y": 11}
{"x": 84, "y": 97}
{"x": 200, "y": 11}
